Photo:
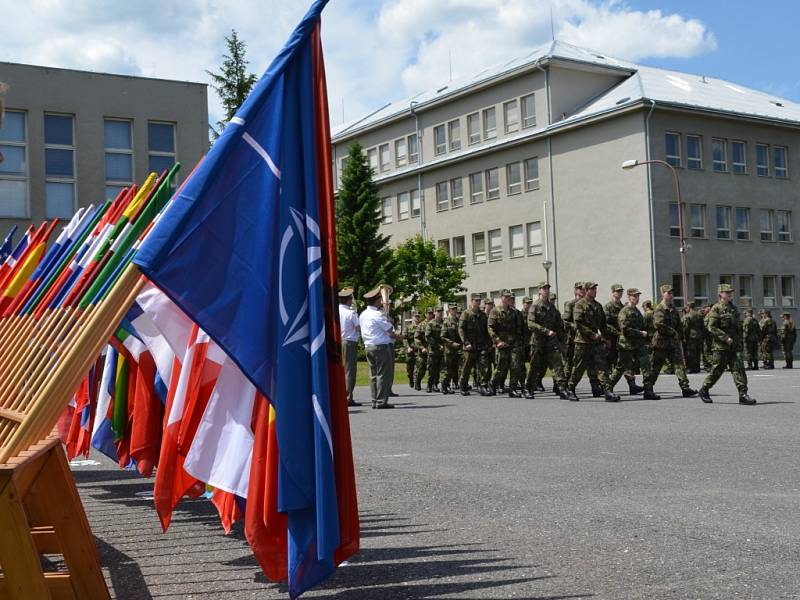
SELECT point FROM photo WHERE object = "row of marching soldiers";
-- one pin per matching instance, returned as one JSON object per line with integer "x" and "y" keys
{"x": 487, "y": 344}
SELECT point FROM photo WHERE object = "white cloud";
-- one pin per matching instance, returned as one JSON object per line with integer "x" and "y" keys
{"x": 376, "y": 51}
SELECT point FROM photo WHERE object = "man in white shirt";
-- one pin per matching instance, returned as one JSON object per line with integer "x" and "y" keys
{"x": 378, "y": 333}
{"x": 351, "y": 332}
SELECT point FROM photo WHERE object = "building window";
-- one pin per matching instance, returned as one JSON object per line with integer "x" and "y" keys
{"x": 673, "y": 148}
{"x": 444, "y": 245}
{"x": 528, "y": 111}
{"x": 779, "y": 162}
{"x": 531, "y": 174}
{"x": 372, "y": 159}
{"x": 454, "y": 134}
{"x": 677, "y": 290}
{"x": 439, "y": 140}
{"x": 511, "y": 116}
{"x": 343, "y": 164}
{"x": 495, "y": 244}
{"x": 742, "y": 223}
{"x": 160, "y": 146}
{"x": 787, "y": 291}
{"x": 442, "y": 196}
{"x": 474, "y": 128}
{"x": 492, "y": 184}
{"x": 383, "y": 152}
{"x": 516, "y": 241}
{"x": 719, "y": 155}
{"x": 459, "y": 249}
{"x": 402, "y": 206}
{"x": 701, "y": 290}
{"x": 723, "y": 223}
{"x": 674, "y": 220}
{"x": 476, "y": 188}
{"x": 457, "y": 192}
{"x": 415, "y": 204}
{"x": 478, "y": 248}
{"x": 14, "y": 169}
{"x": 766, "y": 225}
{"x": 534, "y": 231}
{"x": 762, "y": 160}
{"x": 739, "y": 157}
{"x": 769, "y": 290}
{"x": 489, "y": 123}
{"x": 783, "y": 222}
{"x": 413, "y": 149}
{"x": 514, "y": 178}
{"x": 400, "y": 152}
{"x": 386, "y": 210}
{"x": 59, "y": 166}
{"x": 694, "y": 152}
{"x": 697, "y": 220}
{"x": 119, "y": 156}
{"x": 745, "y": 290}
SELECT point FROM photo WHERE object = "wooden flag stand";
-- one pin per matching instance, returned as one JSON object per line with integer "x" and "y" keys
{"x": 41, "y": 513}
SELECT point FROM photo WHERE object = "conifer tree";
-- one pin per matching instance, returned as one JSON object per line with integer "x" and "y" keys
{"x": 233, "y": 83}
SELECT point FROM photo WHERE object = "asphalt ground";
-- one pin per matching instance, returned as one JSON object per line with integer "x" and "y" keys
{"x": 471, "y": 497}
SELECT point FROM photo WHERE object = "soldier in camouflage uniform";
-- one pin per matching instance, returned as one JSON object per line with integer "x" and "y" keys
{"x": 571, "y": 332}
{"x": 693, "y": 332}
{"x": 546, "y": 328}
{"x": 707, "y": 354}
{"x": 788, "y": 339}
{"x": 505, "y": 328}
{"x": 422, "y": 349}
{"x": 769, "y": 340}
{"x": 452, "y": 350}
{"x": 726, "y": 330}
{"x": 633, "y": 344}
{"x": 473, "y": 331}
{"x": 612, "y": 310}
{"x": 667, "y": 342}
{"x": 435, "y": 346}
{"x": 751, "y": 333}
{"x": 590, "y": 342}
{"x": 491, "y": 353}
{"x": 527, "y": 303}
{"x": 411, "y": 349}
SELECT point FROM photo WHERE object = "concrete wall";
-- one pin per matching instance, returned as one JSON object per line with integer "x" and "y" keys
{"x": 571, "y": 88}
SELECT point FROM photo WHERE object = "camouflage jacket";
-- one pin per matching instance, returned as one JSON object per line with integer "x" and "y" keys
{"x": 419, "y": 336}
{"x": 433, "y": 336}
{"x": 751, "y": 332}
{"x": 788, "y": 334}
{"x": 544, "y": 317}
{"x": 723, "y": 322}
{"x": 612, "y": 310}
{"x": 631, "y": 324}
{"x": 693, "y": 325}
{"x": 450, "y": 336}
{"x": 769, "y": 332}
{"x": 504, "y": 325}
{"x": 472, "y": 329}
{"x": 590, "y": 319}
{"x": 667, "y": 323}
{"x": 568, "y": 316}
{"x": 408, "y": 338}
{"x": 649, "y": 326}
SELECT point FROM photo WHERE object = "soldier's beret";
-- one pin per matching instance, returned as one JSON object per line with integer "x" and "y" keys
{"x": 372, "y": 294}
{"x": 665, "y": 288}
{"x": 345, "y": 292}
{"x": 617, "y": 287}
{"x": 633, "y": 292}
{"x": 578, "y": 285}
{"x": 543, "y": 284}
{"x": 724, "y": 287}
{"x": 587, "y": 285}
{"x": 507, "y": 293}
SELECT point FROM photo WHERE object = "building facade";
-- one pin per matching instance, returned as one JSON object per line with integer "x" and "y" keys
{"x": 517, "y": 171}
{"x": 73, "y": 138}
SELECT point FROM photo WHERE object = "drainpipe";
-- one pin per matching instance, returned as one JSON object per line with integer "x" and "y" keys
{"x": 552, "y": 219}
{"x": 650, "y": 209}
{"x": 422, "y": 216}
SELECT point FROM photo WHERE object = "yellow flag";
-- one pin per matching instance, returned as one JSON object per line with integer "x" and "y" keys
{"x": 24, "y": 272}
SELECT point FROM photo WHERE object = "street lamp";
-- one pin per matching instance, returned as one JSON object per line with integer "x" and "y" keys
{"x": 630, "y": 164}
{"x": 547, "y": 263}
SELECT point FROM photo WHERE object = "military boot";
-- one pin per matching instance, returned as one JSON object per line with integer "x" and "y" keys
{"x": 539, "y": 387}
{"x": 465, "y": 390}
{"x": 688, "y": 392}
{"x": 633, "y": 388}
{"x": 445, "y": 389}
{"x": 704, "y": 395}
{"x": 597, "y": 390}
{"x": 527, "y": 393}
{"x": 436, "y": 388}
{"x": 745, "y": 399}
{"x": 418, "y": 385}
{"x": 649, "y": 394}
{"x": 573, "y": 397}
{"x": 429, "y": 389}
{"x": 556, "y": 389}
{"x": 610, "y": 396}
{"x": 513, "y": 392}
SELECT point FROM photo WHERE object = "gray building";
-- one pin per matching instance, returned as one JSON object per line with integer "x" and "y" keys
{"x": 73, "y": 138}
{"x": 520, "y": 167}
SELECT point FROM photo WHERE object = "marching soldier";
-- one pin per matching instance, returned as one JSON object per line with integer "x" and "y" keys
{"x": 546, "y": 328}
{"x": 452, "y": 349}
{"x": 590, "y": 349}
{"x": 751, "y": 333}
{"x": 527, "y": 302}
{"x": 612, "y": 310}
{"x": 769, "y": 339}
{"x": 411, "y": 349}
{"x": 504, "y": 330}
{"x": 707, "y": 341}
{"x": 435, "y": 346}
{"x": 472, "y": 329}
{"x": 488, "y": 307}
{"x": 788, "y": 338}
{"x": 667, "y": 342}
{"x": 421, "y": 345}
{"x": 569, "y": 324}
{"x": 725, "y": 328}
{"x": 633, "y": 344}
{"x": 693, "y": 330}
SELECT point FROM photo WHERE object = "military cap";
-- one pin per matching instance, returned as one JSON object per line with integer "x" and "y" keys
{"x": 587, "y": 285}
{"x": 748, "y": 311}
{"x": 724, "y": 287}
{"x": 452, "y": 305}
{"x": 414, "y": 313}
{"x": 633, "y": 292}
{"x": 617, "y": 287}
{"x": 507, "y": 293}
{"x": 345, "y": 292}
{"x": 543, "y": 284}
{"x": 488, "y": 300}
{"x": 786, "y": 315}
{"x": 372, "y": 294}
{"x": 665, "y": 288}
{"x": 438, "y": 308}
{"x": 429, "y": 311}
{"x": 647, "y": 304}
{"x": 527, "y": 300}
{"x": 578, "y": 285}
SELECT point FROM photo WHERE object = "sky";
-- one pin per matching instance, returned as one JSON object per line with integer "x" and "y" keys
{"x": 377, "y": 51}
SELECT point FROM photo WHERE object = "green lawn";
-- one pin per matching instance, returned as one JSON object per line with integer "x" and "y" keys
{"x": 362, "y": 374}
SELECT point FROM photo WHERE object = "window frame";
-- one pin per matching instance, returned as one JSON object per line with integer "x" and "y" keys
{"x": 692, "y": 228}
{"x": 677, "y": 285}
{"x": 784, "y": 237}
{"x": 516, "y": 251}
{"x": 784, "y": 296}
{"x": 456, "y": 200}
{"x": 463, "y": 255}
{"x": 373, "y": 152}
{"x": 63, "y": 179}
{"x": 739, "y": 168}
{"x": 400, "y": 202}
{"x": 23, "y": 178}
{"x": 719, "y": 165}
{"x": 442, "y": 191}
{"x": 474, "y": 135}
{"x": 492, "y": 193}
{"x": 674, "y": 160}
{"x": 762, "y": 169}
{"x": 489, "y": 133}
{"x": 513, "y": 188}
{"x": 784, "y": 170}
{"x": 475, "y": 259}
{"x": 413, "y": 157}
{"x": 163, "y": 153}
{"x": 745, "y": 287}
{"x": 530, "y": 184}
{"x": 527, "y": 121}
{"x": 494, "y": 252}
{"x": 746, "y": 212}
{"x": 440, "y": 145}
{"x": 533, "y": 249}
{"x": 511, "y": 125}
{"x": 415, "y": 203}
{"x": 699, "y": 158}
{"x": 400, "y": 158}
{"x": 386, "y": 216}
{"x": 727, "y": 213}
{"x": 454, "y": 144}
{"x": 768, "y": 301}
{"x": 674, "y": 230}
{"x": 771, "y": 232}
{"x": 704, "y": 279}
{"x": 473, "y": 177}
{"x": 131, "y": 152}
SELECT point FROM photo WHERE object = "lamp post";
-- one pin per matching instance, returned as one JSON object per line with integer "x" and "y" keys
{"x": 547, "y": 263}
{"x": 630, "y": 164}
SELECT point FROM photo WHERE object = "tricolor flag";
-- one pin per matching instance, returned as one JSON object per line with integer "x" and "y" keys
{"x": 252, "y": 228}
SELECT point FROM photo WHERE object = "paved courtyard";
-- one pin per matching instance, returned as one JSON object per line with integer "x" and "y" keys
{"x": 509, "y": 498}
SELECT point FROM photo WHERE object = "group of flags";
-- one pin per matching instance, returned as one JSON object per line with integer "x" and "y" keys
{"x": 204, "y": 384}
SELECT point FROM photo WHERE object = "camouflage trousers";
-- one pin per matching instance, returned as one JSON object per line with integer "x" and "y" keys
{"x": 751, "y": 353}
{"x": 434, "y": 368}
{"x": 767, "y": 353}
{"x": 509, "y": 362}
{"x": 421, "y": 369}
{"x": 727, "y": 359}
{"x": 478, "y": 361}
{"x": 544, "y": 356}
{"x": 674, "y": 354}
{"x": 694, "y": 351}
{"x": 629, "y": 360}
{"x": 452, "y": 361}
{"x": 592, "y": 358}
{"x": 411, "y": 362}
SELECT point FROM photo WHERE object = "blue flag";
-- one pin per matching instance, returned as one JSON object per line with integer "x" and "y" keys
{"x": 5, "y": 249}
{"x": 239, "y": 251}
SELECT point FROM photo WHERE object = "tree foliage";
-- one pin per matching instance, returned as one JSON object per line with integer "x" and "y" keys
{"x": 423, "y": 271}
{"x": 365, "y": 258}
{"x": 233, "y": 83}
